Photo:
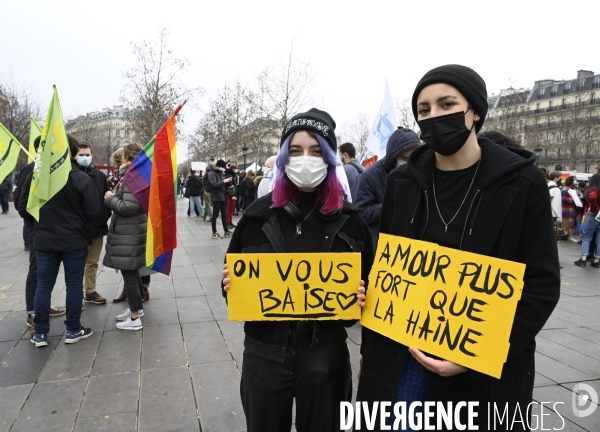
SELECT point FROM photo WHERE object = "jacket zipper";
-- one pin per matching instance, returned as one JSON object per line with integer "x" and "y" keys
{"x": 467, "y": 219}
{"x": 427, "y": 217}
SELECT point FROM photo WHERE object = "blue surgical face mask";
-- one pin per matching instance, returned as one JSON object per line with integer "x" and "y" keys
{"x": 84, "y": 161}
{"x": 575, "y": 183}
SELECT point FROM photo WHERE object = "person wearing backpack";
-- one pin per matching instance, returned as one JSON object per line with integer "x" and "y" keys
{"x": 206, "y": 187}
{"x": 351, "y": 166}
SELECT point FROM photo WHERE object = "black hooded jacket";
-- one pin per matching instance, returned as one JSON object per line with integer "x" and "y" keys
{"x": 508, "y": 218}
{"x": 66, "y": 219}
{"x": 260, "y": 231}
{"x": 100, "y": 227}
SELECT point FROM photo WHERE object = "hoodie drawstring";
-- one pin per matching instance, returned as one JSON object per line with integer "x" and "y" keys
{"x": 479, "y": 200}
{"x": 417, "y": 208}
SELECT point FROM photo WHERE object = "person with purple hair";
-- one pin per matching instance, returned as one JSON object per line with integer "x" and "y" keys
{"x": 305, "y": 212}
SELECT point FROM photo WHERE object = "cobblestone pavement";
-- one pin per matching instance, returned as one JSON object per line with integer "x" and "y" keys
{"x": 182, "y": 371}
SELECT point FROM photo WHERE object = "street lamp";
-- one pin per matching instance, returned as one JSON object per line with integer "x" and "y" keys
{"x": 538, "y": 153}
{"x": 244, "y": 152}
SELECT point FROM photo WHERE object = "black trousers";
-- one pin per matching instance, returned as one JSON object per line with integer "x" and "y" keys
{"x": 132, "y": 284}
{"x": 219, "y": 206}
{"x": 319, "y": 379}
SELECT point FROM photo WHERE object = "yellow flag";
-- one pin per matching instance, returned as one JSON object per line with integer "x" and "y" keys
{"x": 9, "y": 152}
{"x": 53, "y": 161}
{"x": 34, "y": 131}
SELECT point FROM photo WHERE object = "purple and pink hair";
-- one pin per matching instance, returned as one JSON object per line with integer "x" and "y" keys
{"x": 330, "y": 191}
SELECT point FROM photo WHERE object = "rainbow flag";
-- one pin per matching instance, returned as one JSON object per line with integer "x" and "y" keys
{"x": 152, "y": 179}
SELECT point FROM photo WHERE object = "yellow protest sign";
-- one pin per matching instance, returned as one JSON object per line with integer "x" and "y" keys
{"x": 293, "y": 286}
{"x": 456, "y": 305}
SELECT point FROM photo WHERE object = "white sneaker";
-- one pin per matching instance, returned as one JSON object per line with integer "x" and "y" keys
{"x": 128, "y": 324}
{"x": 127, "y": 314}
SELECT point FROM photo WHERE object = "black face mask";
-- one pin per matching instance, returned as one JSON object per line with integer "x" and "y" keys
{"x": 445, "y": 134}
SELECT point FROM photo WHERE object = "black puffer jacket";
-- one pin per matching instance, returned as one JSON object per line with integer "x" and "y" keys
{"x": 259, "y": 231}
{"x": 126, "y": 243}
{"x": 509, "y": 218}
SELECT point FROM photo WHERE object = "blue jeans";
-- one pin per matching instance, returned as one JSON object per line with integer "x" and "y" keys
{"x": 589, "y": 228}
{"x": 195, "y": 201}
{"x": 48, "y": 266}
{"x": 4, "y": 201}
{"x": 31, "y": 281}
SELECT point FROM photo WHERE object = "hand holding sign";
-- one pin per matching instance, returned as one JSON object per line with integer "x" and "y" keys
{"x": 456, "y": 305}
{"x": 293, "y": 286}
{"x": 360, "y": 295}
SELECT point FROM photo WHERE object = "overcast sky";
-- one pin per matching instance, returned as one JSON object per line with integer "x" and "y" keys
{"x": 84, "y": 47}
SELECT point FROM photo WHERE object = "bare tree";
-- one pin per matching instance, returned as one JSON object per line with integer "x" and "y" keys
{"x": 17, "y": 106}
{"x": 232, "y": 122}
{"x": 285, "y": 88}
{"x": 359, "y": 132}
{"x": 154, "y": 86}
{"x": 406, "y": 117}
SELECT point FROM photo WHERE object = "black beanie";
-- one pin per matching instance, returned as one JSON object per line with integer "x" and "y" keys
{"x": 465, "y": 80}
{"x": 314, "y": 120}
{"x": 221, "y": 163}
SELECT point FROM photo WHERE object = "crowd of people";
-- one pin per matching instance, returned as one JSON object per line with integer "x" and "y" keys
{"x": 71, "y": 230}
{"x": 449, "y": 186}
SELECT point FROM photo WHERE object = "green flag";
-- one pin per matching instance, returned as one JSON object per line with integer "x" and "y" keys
{"x": 34, "y": 131}
{"x": 9, "y": 152}
{"x": 53, "y": 160}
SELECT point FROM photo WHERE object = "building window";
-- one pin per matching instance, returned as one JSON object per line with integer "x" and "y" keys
{"x": 117, "y": 124}
{"x": 592, "y": 114}
{"x": 558, "y": 151}
{"x": 568, "y": 87}
{"x": 590, "y": 133}
{"x": 582, "y": 83}
{"x": 577, "y": 100}
{"x": 548, "y": 120}
{"x": 126, "y": 134}
{"x": 542, "y": 92}
{"x": 564, "y": 101}
{"x": 561, "y": 136}
{"x": 596, "y": 82}
{"x": 546, "y": 153}
{"x": 593, "y": 97}
{"x": 537, "y": 106}
{"x": 117, "y": 134}
{"x": 554, "y": 90}
{"x": 549, "y": 104}
{"x": 548, "y": 135}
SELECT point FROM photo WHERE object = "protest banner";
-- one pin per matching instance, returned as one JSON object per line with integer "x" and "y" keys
{"x": 293, "y": 286}
{"x": 199, "y": 166}
{"x": 456, "y": 305}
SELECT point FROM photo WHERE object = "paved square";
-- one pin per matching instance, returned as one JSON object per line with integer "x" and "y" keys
{"x": 182, "y": 371}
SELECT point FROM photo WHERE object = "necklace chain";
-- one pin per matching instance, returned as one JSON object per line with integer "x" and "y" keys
{"x": 461, "y": 204}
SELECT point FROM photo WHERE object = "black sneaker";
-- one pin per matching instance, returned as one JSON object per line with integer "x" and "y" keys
{"x": 596, "y": 264}
{"x": 580, "y": 263}
{"x": 227, "y": 234}
{"x": 73, "y": 337}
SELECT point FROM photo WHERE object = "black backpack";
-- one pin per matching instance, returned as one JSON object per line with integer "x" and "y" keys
{"x": 206, "y": 184}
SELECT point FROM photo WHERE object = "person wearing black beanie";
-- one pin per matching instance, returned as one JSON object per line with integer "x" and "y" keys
{"x": 473, "y": 195}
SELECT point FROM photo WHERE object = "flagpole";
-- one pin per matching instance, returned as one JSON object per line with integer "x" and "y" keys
{"x": 26, "y": 152}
